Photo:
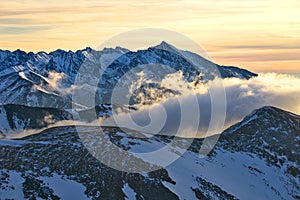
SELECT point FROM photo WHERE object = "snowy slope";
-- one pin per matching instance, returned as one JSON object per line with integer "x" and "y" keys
{"x": 46, "y": 79}
{"x": 233, "y": 170}
{"x": 206, "y": 65}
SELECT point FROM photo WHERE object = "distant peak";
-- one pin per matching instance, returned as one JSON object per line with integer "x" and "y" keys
{"x": 117, "y": 48}
{"x": 122, "y": 49}
{"x": 164, "y": 44}
{"x": 18, "y": 51}
{"x": 58, "y": 51}
{"x": 88, "y": 49}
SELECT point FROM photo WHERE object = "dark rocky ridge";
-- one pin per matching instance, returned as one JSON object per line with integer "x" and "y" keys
{"x": 60, "y": 151}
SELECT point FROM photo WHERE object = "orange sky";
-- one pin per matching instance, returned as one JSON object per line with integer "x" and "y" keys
{"x": 260, "y": 35}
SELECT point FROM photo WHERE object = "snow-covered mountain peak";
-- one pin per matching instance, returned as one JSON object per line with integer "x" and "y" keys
{"x": 117, "y": 49}
{"x": 269, "y": 132}
{"x": 268, "y": 118}
{"x": 166, "y": 46}
{"x": 19, "y": 51}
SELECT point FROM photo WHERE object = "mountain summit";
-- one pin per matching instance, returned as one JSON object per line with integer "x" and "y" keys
{"x": 166, "y": 46}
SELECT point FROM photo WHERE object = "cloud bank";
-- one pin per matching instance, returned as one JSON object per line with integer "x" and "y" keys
{"x": 179, "y": 115}
{"x": 273, "y": 89}
{"x": 242, "y": 97}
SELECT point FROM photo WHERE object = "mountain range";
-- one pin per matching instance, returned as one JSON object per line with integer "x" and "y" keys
{"x": 46, "y": 79}
{"x": 256, "y": 158}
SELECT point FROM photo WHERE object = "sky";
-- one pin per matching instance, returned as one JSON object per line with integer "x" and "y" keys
{"x": 259, "y": 35}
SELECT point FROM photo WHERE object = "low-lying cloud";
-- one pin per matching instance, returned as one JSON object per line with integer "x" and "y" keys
{"x": 242, "y": 97}
{"x": 177, "y": 116}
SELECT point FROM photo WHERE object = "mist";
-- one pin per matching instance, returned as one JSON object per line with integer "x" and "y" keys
{"x": 242, "y": 97}
{"x": 190, "y": 114}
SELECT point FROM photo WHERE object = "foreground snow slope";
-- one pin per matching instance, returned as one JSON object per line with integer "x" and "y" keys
{"x": 245, "y": 164}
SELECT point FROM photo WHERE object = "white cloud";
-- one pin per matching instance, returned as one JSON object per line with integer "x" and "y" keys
{"x": 54, "y": 79}
{"x": 278, "y": 90}
{"x": 55, "y": 83}
{"x": 242, "y": 97}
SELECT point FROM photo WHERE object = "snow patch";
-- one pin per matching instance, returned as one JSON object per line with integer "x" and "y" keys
{"x": 129, "y": 192}
{"x": 64, "y": 188}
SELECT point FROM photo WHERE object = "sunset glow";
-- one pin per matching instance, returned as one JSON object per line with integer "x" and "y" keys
{"x": 256, "y": 35}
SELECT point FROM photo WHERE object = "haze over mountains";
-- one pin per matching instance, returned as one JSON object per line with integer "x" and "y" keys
{"x": 256, "y": 158}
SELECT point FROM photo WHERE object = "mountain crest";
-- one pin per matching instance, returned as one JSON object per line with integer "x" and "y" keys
{"x": 268, "y": 117}
{"x": 166, "y": 46}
